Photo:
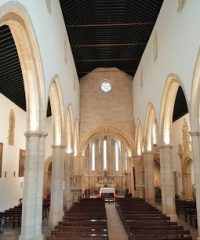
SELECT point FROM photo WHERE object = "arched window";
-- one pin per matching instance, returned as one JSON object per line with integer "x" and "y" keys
{"x": 105, "y": 154}
{"x": 93, "y": 156}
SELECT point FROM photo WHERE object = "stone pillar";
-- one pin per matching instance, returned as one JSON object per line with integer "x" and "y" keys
{"x": 31, "y": 228}
{"x": 68, "y": 173}
{"x": 167, "y": 182}
{"x": 196, "y": 156}
{"x": 57, "y": 180}
{"x": 139, "y": 176}
{"x": 148, "y": 158}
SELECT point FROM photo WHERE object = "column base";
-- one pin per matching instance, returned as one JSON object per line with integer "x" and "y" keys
{"x": 38, "y": 237}
{"x": 68, "y": 204}
{"x": 54, "y": 218}
{"x": 173, "y": 218}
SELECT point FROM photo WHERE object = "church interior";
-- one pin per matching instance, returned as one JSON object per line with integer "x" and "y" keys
{"x": 100, "y": 132}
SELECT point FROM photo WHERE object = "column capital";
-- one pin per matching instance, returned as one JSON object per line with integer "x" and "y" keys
{"x": 165, "y": 146}
{"x": 136, "y": 156}
{"x": 194, "y": 133}
{"x": 54, "y": 146}
{"x": 36, "y": 133}
{"x": 146, "y": 152}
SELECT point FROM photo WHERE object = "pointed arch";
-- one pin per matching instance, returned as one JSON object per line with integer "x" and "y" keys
{"x": 56, "y": 100}
{"x": 167, "y": 107}
{"x": 150, "y": 124}
{"x": 47, "y": 178}
{"x": 76, "y": 138}
{"x": 69, "y": 129}
{"x": 15, "y": 16}
{"x": 109, "y": 131}
{"x": 139, "y": 138}
{"x": 195, "y": 97}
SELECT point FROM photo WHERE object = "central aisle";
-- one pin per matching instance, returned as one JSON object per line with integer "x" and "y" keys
{"x": 115, "y": 227}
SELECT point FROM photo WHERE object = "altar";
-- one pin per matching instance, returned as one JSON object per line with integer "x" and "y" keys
{"x": 106, "y": 190}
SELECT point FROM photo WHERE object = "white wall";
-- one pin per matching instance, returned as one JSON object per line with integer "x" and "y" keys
{"x": 10, "y": 186}
{"x": 52, "y": 37}
{"x": 178, "y": 37}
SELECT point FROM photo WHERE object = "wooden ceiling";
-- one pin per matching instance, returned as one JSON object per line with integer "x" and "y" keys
{"x": 102, "y": 33}
{"x": 109, "y": 33}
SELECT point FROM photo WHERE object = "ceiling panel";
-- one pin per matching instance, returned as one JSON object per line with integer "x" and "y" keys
{"x": 101, "y": 31}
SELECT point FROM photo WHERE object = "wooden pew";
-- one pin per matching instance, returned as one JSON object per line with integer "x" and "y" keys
{"x": 144, "y": 222}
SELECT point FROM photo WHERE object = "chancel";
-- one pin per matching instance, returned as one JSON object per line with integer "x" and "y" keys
{"x": 100, "y": 119}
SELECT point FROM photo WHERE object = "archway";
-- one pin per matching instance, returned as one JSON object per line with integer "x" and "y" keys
{"x": 195, "y": 133}
{"x": 76, "y": 163}
{"x": 15, "y": 16}
{"x": 150, "y": 140}
{"x": 167, "y": 107}
{"x": 115, "y": 133}
{"x": 168, "y": 180}
{"x": 138, "y": 161}
{"x": 47, "y": 177}
{"x": 58, "y": 152}
{"x": 69, "y": 129}
{"x": 100, "y": 152}
{"x": 150, "y": 130}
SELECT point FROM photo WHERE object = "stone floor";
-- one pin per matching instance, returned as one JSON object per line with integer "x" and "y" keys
{"x": 115, "y": 227}
{"x": 193, "y": 230}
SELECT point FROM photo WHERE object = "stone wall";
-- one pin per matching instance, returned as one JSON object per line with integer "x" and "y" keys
{"x": 99, "y": 109}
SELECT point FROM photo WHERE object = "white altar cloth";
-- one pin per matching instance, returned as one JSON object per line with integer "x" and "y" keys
{"x": 106, "y": 190}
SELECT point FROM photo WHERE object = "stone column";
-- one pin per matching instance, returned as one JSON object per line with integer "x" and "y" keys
{"x": 196, "y": 156}
{"x": 148, "y": 158}
{"x": 57, "y": 180}
{"x": 139, "y": 176}
{"x": 68, "y": 173}
{"x": 167, "y": 182}
{"x": 31, "y": 228}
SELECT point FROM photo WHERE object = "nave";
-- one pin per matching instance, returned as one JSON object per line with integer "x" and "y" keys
{"x": 140, "y": 219}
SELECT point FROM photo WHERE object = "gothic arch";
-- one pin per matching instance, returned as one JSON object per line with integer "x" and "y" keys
{"x": 195, "y": 97}
{"x": 47, "y": 163}
{"x": 16, "y": 17}
{"x": 109, "y": 131}
{"x": 167, "y": 107}
{"x": 150, "y": 120}
{"x": 56, "y": 100}
{"x": 76, "y": 138}
{"x": 139, "y": 138}
{"x": 69, "y": 129}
